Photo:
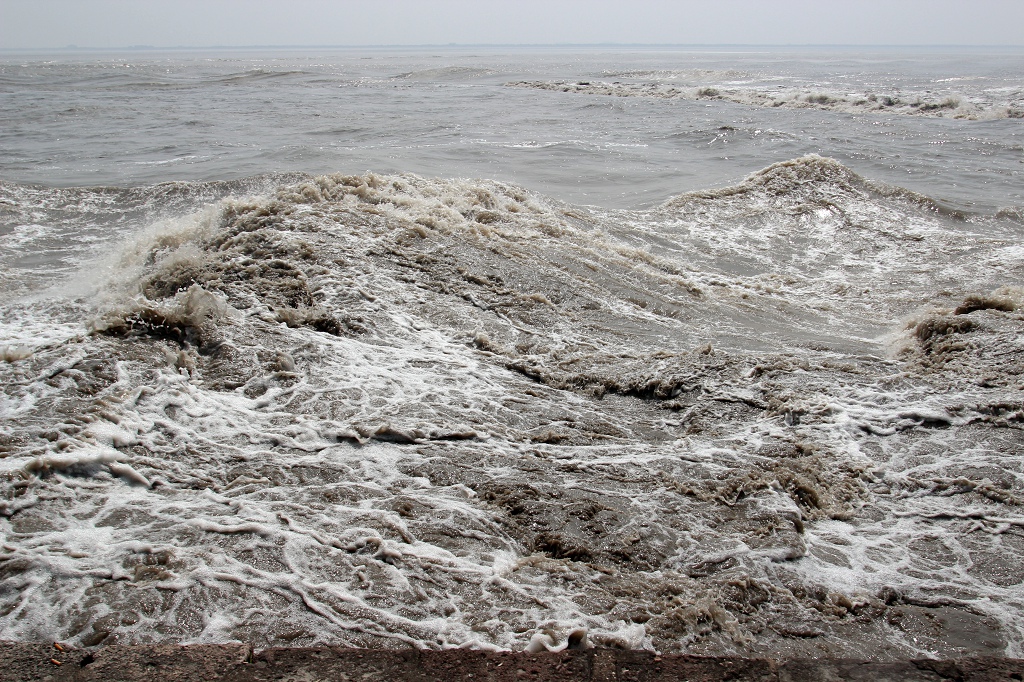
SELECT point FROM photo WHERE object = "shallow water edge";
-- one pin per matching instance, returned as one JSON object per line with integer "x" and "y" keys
{"x": 242, "y": 662}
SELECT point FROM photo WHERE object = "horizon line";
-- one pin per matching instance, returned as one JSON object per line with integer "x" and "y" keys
{"x": 88, "y": 48}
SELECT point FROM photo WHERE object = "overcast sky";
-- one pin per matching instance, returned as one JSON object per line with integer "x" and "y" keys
{"x": 199, "y": 23}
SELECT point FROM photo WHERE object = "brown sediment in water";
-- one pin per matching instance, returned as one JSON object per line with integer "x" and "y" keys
{"x": 373, "y": 379}
{"x": 206, "y": 662}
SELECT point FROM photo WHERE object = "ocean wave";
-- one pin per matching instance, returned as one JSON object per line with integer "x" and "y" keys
{"x": 388, "y": 410}
{"x": 688, "y": 75}
{"x": 925, "y": 104}
{"x": 446, "y": 73}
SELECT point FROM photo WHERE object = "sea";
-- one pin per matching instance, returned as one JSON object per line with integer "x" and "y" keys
{"x": 708, "y": 350}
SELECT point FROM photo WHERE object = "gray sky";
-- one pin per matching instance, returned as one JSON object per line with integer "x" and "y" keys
{"x": 197, "y": 23}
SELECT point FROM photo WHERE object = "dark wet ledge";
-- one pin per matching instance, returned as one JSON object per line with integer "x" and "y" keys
{"x": 237, "y": 662}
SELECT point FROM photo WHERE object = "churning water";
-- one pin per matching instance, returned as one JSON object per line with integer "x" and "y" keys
{"x": 693, "y": 351}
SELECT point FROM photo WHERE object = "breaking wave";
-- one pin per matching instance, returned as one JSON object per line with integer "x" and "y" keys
{"x": 986, "y": 106}
{"x": 779, "y": 418}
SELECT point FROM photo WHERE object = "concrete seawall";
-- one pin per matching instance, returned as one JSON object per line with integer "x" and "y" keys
{"x": 237, "y": 662}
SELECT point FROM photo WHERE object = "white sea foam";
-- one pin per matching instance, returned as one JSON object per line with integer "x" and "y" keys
{"x": 946, "y": 104}
{"x": 398, "y": 411}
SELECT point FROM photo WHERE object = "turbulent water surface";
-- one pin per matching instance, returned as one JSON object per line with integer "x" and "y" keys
{"x": 491, "y": 350}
